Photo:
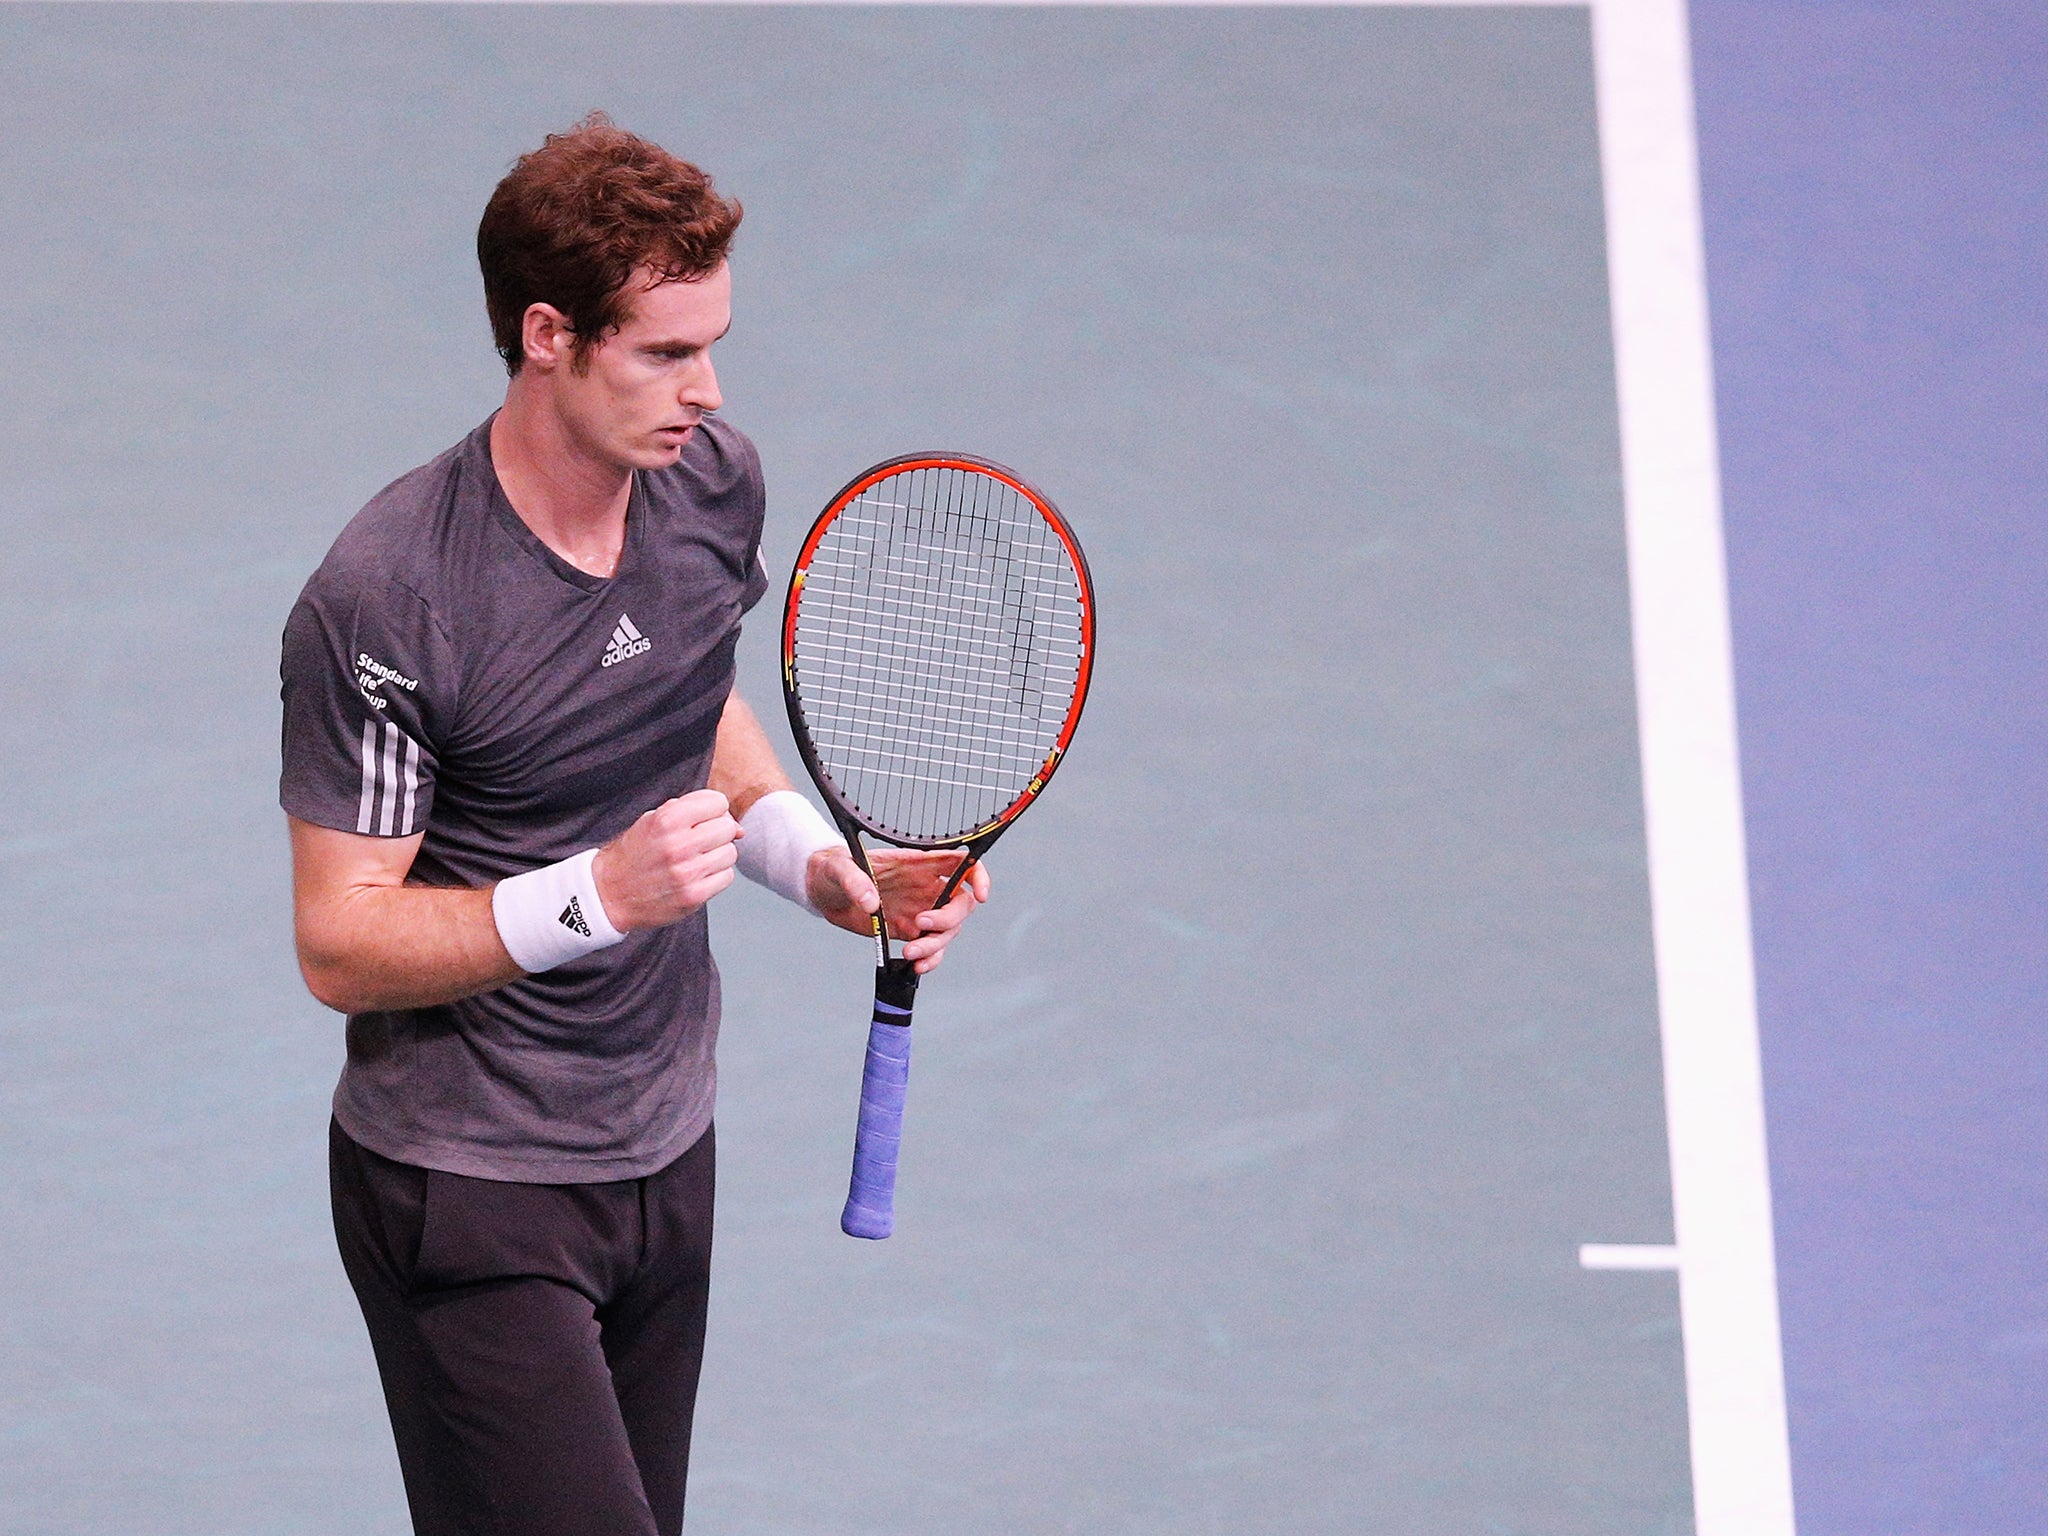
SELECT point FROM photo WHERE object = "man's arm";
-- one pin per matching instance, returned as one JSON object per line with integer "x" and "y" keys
{"x": 367, "y": 940}
{"x": 743, "y": 765}
{"x": 744, "y": 768}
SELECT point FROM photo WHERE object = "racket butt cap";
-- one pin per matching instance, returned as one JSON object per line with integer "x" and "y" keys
{"x": 859, "y": 1221}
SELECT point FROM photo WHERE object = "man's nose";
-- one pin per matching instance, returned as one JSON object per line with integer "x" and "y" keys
{"x": 701, "y": 387}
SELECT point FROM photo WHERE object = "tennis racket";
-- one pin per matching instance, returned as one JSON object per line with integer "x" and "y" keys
{"x": 936, "y": 646}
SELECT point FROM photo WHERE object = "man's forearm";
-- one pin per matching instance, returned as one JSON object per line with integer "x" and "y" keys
{"x": 402, "y": 946}
{"x": 743, "y": 763}
{"x": 368, "y": 942}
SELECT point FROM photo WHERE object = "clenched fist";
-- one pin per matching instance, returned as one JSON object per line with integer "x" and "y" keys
{"x": 669, "y": 862}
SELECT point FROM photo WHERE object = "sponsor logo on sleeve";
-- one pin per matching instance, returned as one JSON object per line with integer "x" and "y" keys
{"x": 627, "y": 642}
{"x": 372, "y": 675}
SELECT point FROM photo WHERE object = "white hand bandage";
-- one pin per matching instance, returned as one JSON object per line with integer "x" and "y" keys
{"x": 782, "y": 831}
{"x": 546, "y": 916}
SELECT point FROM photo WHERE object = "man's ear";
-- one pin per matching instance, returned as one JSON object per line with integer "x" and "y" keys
{"x": 545, "y": 337}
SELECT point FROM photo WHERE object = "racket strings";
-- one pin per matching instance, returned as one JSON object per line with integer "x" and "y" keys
{"x": 938, "y": 649}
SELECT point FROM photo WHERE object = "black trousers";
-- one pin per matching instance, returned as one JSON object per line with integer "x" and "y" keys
{"x": 539, "y": 1343}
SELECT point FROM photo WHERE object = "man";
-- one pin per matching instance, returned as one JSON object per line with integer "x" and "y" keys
{"x": 516, "y": 773}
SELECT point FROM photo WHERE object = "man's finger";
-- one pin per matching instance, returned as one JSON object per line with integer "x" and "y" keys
{"x": 694, "y": 839}
{"x": 945, "y": 919}
{"x": 967, "y": 895}
{"x": 701, "y": 805}
{"x": 860, "y": 890}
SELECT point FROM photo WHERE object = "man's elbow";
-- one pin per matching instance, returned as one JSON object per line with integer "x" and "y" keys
{"x": 327, "y": 987}
{"x": 331, "y": 980}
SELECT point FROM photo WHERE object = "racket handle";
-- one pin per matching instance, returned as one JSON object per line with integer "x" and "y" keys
{"x": 871, "y": 1199}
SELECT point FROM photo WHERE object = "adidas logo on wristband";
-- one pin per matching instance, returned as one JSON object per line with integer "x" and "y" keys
{"x": 552, "y": 914}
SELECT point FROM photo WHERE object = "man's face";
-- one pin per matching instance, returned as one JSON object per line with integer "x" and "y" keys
{"x": 644, "y": 388}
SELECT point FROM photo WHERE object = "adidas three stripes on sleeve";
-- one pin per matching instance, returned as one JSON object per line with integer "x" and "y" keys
{"x": 363, "y": 677}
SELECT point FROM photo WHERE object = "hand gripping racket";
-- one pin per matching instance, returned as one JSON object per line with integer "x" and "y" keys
{"x": 935, "y": 655}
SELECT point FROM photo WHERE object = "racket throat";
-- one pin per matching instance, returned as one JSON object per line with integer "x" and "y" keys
{"x": 952, "y": 885}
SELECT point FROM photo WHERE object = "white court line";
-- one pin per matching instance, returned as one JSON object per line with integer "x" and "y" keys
{"x": 1628, "y": 1256}
{"x": 1685, "y": 699}
{"x": 1692, "y": 784}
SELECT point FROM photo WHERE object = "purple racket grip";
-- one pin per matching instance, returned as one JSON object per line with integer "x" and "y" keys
{"x": 871, "y": 1200}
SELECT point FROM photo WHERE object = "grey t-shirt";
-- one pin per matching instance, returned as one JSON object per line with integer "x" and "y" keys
{"x": 446, "y": 673}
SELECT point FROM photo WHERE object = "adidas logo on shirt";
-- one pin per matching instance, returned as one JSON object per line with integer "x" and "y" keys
{"x": 572, "y": 915}
{"x": 626, "y": 641}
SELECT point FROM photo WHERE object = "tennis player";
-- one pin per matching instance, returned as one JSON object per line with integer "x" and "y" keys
{"x": 516, "y": 773}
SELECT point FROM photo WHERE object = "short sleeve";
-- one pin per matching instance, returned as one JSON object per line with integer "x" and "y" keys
{"x": 367, "y": 686}
{"x": 757, "y": 582}
{"x": 755, "y": 502}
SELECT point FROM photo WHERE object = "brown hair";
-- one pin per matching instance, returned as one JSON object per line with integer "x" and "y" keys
{"x": 574, "y": 220}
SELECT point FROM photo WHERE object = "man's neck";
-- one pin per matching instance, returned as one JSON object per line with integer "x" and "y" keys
{"x": 574, "y": 503}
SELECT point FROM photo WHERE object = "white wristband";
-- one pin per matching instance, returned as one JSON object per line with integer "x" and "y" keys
{"x": 546, "y": 916}
{"x": 782, "y": 831}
